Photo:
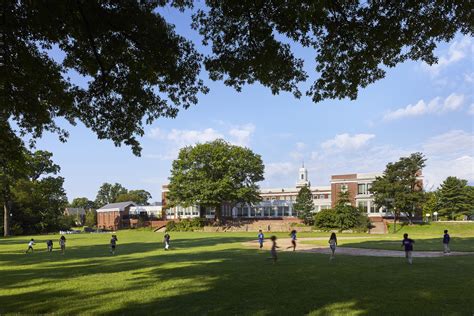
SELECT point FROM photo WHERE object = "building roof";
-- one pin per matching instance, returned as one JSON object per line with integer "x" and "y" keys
{"x": 114, "y": 206}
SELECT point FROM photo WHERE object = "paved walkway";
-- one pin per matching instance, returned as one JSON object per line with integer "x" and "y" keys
{"x": 284, "y": 243}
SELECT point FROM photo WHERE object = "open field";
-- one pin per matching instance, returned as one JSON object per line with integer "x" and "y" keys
{"x": 208, "y": 273}
{"x": 427, "y": 238}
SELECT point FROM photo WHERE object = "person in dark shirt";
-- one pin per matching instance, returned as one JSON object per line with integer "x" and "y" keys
{"x": 261, "y": 237}
{"x": 49, "y": 244}
{"x": 113, "y": 244}
{"x": 408, "y": 244}
{"x": 446, "y": 240}
{"x": 332, "y": 244}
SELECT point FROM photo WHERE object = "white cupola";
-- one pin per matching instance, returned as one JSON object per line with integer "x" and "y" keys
{"x": 302, "y": 177}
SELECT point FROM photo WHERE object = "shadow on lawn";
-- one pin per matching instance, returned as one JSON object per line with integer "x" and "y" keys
{"x": 462, "y": 244}
{"x": 239, "y": 281}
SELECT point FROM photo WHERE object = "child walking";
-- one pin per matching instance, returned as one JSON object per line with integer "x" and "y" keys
{"x": 408, "y": 244}
{"x": 62, "y": 244}
{"x": 273, "y": 252}
{"x": 30, "y": 246}
{"x": 166, "y": 240}
{"x": 332, "y": 245}
{"x": 293, "y": 240}
{"x": 446, "y": 240}
{"x": 49, "y": 245}
{"x": 261, "y": 237}
{"x": 113, "y": 244}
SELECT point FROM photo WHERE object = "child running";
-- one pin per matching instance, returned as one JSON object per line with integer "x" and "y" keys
{"x": 30, "y": 246}
{"x": 332, "y": 244}
{"x": 273, "y": 252}
{"x": 293, "y": 240}
{"x": 446, "y": 240}
{"x": 62, "y": 244}
{"x": 166, "y": 240}
{"x": 408, "y": 244}
{"x": 113, "y": 244}
{"x": 261, "y": 237}
{"x": 49, "y": 245}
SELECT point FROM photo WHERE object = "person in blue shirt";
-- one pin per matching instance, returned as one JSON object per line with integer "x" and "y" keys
{"x": 446, "y": 240}
{"x": 293, "y": 240}
{"x": 261, "y": 237}
{"x": 408, "y": 244}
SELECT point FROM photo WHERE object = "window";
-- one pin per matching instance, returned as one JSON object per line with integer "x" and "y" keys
{"x": 343, "y": 187}
{"x": 373, "y": 208}
{"x": 302, "y": 177}
{"x": 286, "y": 211}
{"x": 267, "y": 210}
{"x": 362, "y": 188}
{"x": 369, "y": 186}
{"x": 322, "y": 196}
{"x": 362, "y": 205}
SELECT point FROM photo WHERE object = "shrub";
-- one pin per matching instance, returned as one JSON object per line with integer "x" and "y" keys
{"x": 186, "y": 225}
{"x": 326, "y": 219}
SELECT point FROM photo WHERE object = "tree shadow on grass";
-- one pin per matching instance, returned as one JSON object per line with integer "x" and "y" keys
{"x": 242, "y": 281}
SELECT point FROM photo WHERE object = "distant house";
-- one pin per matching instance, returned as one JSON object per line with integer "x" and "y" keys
{"x": 78, "y": 213}
{"x": 114, "y": 216}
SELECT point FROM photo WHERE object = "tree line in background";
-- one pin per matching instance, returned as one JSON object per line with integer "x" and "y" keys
{"x": 33, "y": 197}
{"x": 108, "y": 193}
{"x": 34, "y": 200}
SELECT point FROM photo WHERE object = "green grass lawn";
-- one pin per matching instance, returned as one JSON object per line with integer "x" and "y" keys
{"x": 427, "y": 238}
{"x": 215, "y": 274}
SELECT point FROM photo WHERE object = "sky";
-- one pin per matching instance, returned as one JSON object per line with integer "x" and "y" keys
{"x": 415, "y": 108}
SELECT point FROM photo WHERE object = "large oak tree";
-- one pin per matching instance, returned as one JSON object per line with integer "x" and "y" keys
{"x": 215, "y": 172}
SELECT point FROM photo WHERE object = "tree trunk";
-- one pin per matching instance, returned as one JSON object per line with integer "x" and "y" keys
{"x": 6, "y": 214}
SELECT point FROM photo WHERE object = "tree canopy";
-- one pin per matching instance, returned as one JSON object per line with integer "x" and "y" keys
{"x": 112, "y": 193}
{"x": 82, "y": 202}
{"x": 35, "y": 198}
{"x": 137, "y": 68}
{"x": 400, "y": 189}
{"x": 454, "y": 198}
{"x": 304, "y": 205}
{"x": 108, "y": 193}
{"x": 215, "y": 172}
{"x": 140, "y": 197}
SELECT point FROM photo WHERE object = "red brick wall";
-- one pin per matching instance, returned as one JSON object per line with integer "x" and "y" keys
{"x": 336, "y": 187}
{"x": 108, "y": 220}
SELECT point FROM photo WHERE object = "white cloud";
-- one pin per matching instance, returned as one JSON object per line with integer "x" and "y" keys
{"x": 436, "y": 105}
{"x": 455, "y": 142}
{"x": 457, "y": 51}
{"x": 188, "y": 137}
{"x": 438, "y": 169}
{"x": 347, "y": 142}
{"x": 241, "y": 134}
{"x": 173, "y": 140}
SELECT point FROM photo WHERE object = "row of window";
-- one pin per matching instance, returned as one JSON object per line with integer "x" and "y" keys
{"x": 266, "y": 211}
{"x": 293, "y": 197}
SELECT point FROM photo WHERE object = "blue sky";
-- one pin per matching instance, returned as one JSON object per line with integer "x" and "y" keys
{"x": 415, "y": 108}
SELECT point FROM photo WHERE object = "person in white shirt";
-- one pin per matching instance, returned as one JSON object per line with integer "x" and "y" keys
{"x": 30, "y": 245}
